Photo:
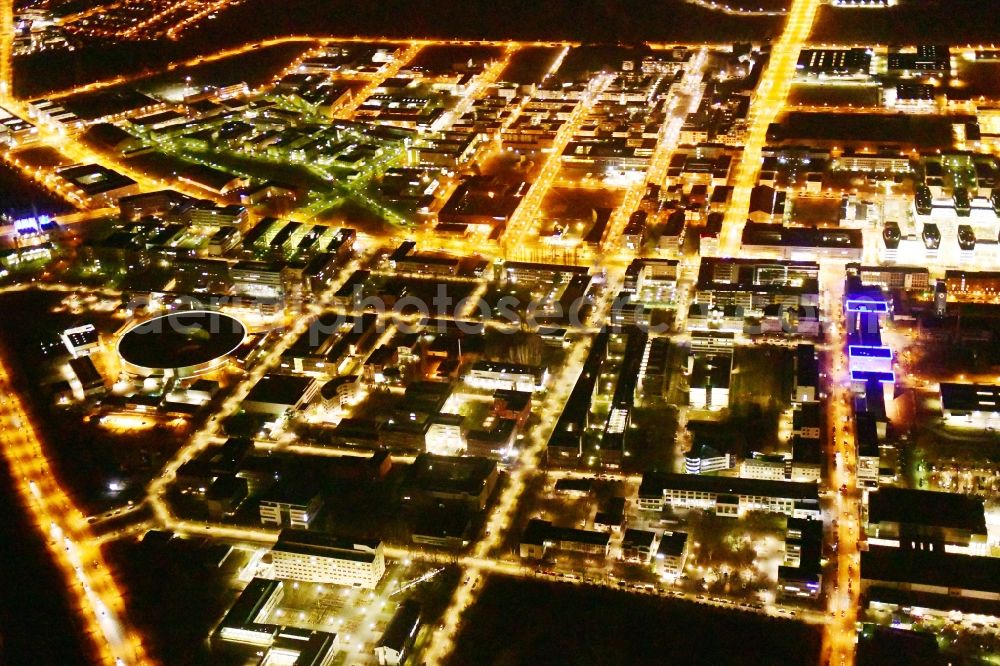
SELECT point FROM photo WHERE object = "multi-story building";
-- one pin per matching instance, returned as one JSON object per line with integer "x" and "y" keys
{"x": 835, "y": 63}
{"x": 764, "y": 467}
{"x": 806, "y": 375}
{"x": 672, "y": 553}
{"x": 541, "y": 535}
{"x": 289, "y": 506}
{"x": 314, "y": 557}
{"x": 908, "y": 278}
{"x": 395, "y": 645}
{"x": 462, "y": 480}
{"x": 256, "y": 278}
{"x": 638, "y": 545}
{"x": 446, "y": 434}
{"x": 756, "y": 283}
{"x": 971, "y": 404}
{"x": 792, "y": 243}
{"x": 927, "y": 520}
{"x": 494, "y": 375}
{"x": 246, "y": 630}
{"x": 727, "y": 496}
{"x": 800, "y": 573}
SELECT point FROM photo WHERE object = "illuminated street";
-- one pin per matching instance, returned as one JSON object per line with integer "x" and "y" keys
{"x": 324, "y": 348}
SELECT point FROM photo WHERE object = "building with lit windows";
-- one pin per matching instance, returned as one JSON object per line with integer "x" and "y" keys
{"x": 258, "y": 278}
{"x": 246, "y": 631}
{"x": 834, "y": 63}
{"x": 927, "y": 520}
{"x": 397, "y": 641}
{"x": 727, "y": 496}
{"x": 970, "y": 404}
{"x": 495, "y": 375}
{"x": 314, "y": 557}
{"x": 671, "y": 554}
{"x": 289, "y": 505}
{"x": 541, "y": 535}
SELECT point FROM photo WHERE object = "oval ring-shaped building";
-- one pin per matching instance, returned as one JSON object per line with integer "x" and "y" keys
{"x": 181, "y": 344}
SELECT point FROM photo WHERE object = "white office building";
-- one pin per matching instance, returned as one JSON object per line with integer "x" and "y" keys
{"x": 322, "y": 558}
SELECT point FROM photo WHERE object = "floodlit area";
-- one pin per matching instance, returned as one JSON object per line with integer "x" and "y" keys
{"x": 353, "y": 340}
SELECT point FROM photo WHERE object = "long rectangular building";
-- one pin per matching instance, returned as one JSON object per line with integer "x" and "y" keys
{"x": 756, "y": 283}
{"x": 792, "y": 242}
{"x": 953, "y": 577}
{"x": 906, "y": 518}
{"x": 728, "y": 496}
{"x": 313, "y": 557}
{"x": 971, "y": 404}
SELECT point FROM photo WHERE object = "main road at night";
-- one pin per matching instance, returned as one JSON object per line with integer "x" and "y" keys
{"x": 90, "y": 586}
{"x": 839, "y": 635}
{"x": 768, "y": 101}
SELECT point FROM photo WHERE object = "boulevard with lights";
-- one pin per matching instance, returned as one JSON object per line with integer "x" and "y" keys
{"x": 705, "y": 326}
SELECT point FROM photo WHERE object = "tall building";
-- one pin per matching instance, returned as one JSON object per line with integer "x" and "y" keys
{"x": 313, "y": 557}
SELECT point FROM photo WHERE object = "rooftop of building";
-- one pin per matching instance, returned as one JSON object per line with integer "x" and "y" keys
{"x": 456, "y": 474}
{"x": 672, "y": 544}
{"x": 970, "y": 397}
{"x": 931, "y": 567}
{"x": 540, "y": 532}
{"x": 280, "y": 389}
{"x": 655, "y": 483}
{"x": 929, "y": 508}
{"x": 319, "y": 544}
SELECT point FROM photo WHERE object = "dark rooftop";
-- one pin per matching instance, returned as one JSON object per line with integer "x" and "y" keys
{"x": 925, "y": 507}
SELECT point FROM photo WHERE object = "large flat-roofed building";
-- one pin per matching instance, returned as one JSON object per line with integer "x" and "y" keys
{"x": 800, "y": 242}
{"x": 973, "y": 286}
{"x": 957, "y": 577}
{"x": 99, "y": 183}
{"x": 970, "y": 404}
{"x": 258, "y": 278}
{"x": 800, "y": 573}
{"x": 394, "y": 646}
{"x": 541, "y": 535}
{"x": 274, "y": 394}
{"x": 91, "y": 380}
{"x": 648, "y": 278}
{"x": 927, "y": 520}
{"x": 566, "y": 442}
{"x": 484, "y": 201}
{"x": 757, "y": 283}
{"x": 212, "y": 180}
{"x": 464, "y": 480}
{"x": 524, "y": 271}
{"x": 405, "y": 259}
{"x": 834, "y": 63}
{"x": 245, "y": 628}
{"x": 709, "y": 379}
{"x": 496, "y": 375}
{"x": 290, "y": 505}
{"x": 925, "y": 59}
{"x": 806, "y": 375}
{"x": 153, "y": 204}
{"x": 915, "y": 278}
{"x": 727, "y": 496}
{"x": 631, "y": 346}
{"x": 314, "y": 557}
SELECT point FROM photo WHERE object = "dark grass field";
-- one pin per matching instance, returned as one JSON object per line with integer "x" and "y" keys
{"x": 531, "y": 622}
{"x": 594, "y": 21}
{"x": 911, "y": 22}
